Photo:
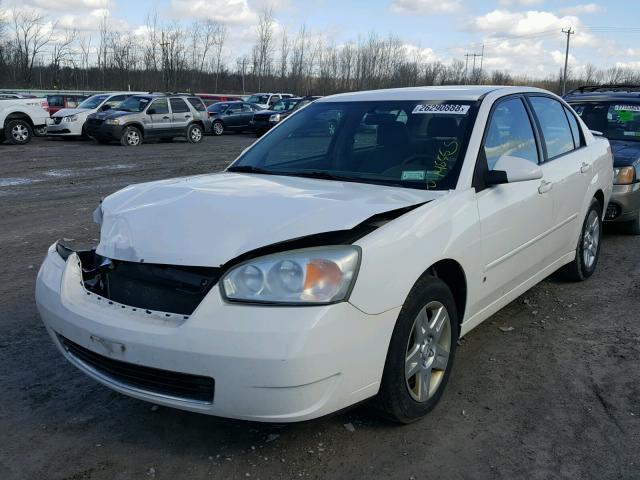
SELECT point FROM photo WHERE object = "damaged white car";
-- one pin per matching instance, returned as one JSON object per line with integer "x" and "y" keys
{"x": 338, "y": 259}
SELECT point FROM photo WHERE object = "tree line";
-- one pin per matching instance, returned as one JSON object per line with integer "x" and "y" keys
{"x": 172, "y": 56}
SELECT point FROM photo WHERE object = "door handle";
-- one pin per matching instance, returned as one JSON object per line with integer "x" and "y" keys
{"x": 585, "y": 167}
{"x": 165, "y": 118}
{"x": 545, "y": 187}
{"x": 187, "y": 116}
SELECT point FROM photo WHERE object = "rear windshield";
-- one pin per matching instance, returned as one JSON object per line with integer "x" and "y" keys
{"x": 217, "y": 107}
{"x": 134, "y": 104}
{"x": 616, "y": 120}
{"x": 258, "y": 99}
{"x": 413, "y": 144}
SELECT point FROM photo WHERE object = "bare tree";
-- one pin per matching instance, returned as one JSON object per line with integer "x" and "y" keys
{"x": 32, "y": 34}
{"x": 263, "y": 50}
{"x": 62, "y": 52}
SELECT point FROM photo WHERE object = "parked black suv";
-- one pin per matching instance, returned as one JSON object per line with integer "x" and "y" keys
{"x": 154, "y": 115}
{"x": 614, "y": 111}
{"x": 265, "y": 119}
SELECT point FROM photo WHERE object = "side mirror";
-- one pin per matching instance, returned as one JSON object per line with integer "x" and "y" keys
{"x": 106, "y": 107}
{"x": 151, "y": 111}
{"x": 510, "y": 169}
{"x": 231, "y": 112}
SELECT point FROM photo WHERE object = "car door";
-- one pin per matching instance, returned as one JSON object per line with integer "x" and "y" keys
{"x": 514, "y": 217}
{"x": 159, "y": 118}
{"x": 566, "y": 168}
{"x": 180, "y": 116}
{"x": 233, "y": 116}
{"x": 246, "y": 115}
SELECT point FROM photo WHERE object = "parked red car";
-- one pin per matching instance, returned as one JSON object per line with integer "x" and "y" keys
{"x": 211, "y": 98}
{"x": 62, "y": 100}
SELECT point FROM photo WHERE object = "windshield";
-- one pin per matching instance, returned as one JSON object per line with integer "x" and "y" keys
{"x": 134, "y": 104}
{"x": 93, "y": 102}
{"x": 412, "y": 144}
{"x": 284, "y": 105}
{"x": 616, "y": 120}
{"x": 258, "y": 99}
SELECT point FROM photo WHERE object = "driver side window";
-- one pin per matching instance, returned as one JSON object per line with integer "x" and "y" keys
{"x": 510, "y": 133}
{"x": 161, "y": 106}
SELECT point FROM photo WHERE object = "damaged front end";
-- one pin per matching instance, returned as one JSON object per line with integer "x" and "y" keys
{"x": 180, "y": 289}
{"x": 163, "y": 288}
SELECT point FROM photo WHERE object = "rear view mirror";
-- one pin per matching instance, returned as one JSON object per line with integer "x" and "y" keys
{"x": 106, "y": 107}
{"x": 510, "y": 169}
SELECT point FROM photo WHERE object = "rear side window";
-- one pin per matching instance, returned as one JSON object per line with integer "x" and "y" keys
{"x": 55, "y": 100}
{"x": 114, "y": 102}
{"x": 197, "y": 103}
{"x": 575, "y": 129}
{"x": 510, "y": 133}
{"x": 556, "y": 131}
{"x": 178, "y": 105}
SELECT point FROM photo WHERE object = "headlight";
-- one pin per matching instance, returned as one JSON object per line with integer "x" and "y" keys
{"x": 275, "y": 117}
{"x": 624, "y": 175}
{"x": 70, "y": 118}
{"x": 308, "y": 276}
{"x": 112, "y": 121}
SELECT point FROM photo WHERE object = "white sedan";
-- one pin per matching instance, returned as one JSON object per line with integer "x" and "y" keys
{"x": 69, "y": 122}
{"x": 328, "y": 266}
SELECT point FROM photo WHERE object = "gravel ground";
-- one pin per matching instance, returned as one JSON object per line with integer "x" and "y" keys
{"x": 556, "y": 397}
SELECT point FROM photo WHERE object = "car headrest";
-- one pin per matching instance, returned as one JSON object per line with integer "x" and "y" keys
{"x": 440, "y": 126}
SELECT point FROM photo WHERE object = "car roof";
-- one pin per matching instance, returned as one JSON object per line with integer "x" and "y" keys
{"x": 449, "y": 92}
{"x": 602, "y": 97}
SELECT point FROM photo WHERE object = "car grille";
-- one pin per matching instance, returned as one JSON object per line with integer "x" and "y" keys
{"x": 155, "y": 381}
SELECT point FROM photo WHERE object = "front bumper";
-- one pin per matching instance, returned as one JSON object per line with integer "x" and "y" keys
{"x": 624, "y": 204}
{"x": 273, "y": 364}
{"x": 262, "y": 124}
{"x": 64, "y": 128}
{"x": 102, "y": 131}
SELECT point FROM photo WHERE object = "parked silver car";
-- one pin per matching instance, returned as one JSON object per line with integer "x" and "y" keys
{"x": 154, "y": 115}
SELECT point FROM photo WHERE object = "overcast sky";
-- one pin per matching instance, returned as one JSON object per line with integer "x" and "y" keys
{"x": 519, "y": 35}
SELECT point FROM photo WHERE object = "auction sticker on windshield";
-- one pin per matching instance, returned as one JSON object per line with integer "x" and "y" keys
{"x": 442, "y": 108}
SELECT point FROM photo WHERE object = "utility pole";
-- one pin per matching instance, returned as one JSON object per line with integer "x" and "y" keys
{"x": 568, "y": 32}
{"x": 165, "y": 61}
{"x": 473, "y": 69}
{"x": 481, "y": 60}
{"x": 466, "y": 66}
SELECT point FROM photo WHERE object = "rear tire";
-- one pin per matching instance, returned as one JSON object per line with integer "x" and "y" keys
{"x": 217, "y": 128}
{"x": 588, "y": 249}
{"x": 131, "y": 137}
{"x": 195, "y": 133}
{"x": 18, "y": 132}
{"x": 421, "y": 353}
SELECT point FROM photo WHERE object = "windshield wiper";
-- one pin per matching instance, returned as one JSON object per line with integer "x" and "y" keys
{"x": 251, "y": 169}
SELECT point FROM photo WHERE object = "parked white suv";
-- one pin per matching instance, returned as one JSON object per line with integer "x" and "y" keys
{"x": 70, "y": 122}
{"x": 328, "y": 266}
{"x": 19, "y": 118}
{"x": 267, "y": 100}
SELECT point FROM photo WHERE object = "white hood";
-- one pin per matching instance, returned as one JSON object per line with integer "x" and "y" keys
{"x": 208, "y": 220}
{"x": 65, "y": 112}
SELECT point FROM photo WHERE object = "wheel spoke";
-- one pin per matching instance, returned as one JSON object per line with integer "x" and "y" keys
{"x": 423, "y": 379}
{"x": 420, "y": 327}
{"x": 439, "y": 317}
{"x": 412, "y": 362}
{"x": 441, "y": 358}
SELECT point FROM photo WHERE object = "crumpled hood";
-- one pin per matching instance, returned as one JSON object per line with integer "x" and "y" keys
{"x": 208, "y": 220}
{"x": 65, "y": 112}
{"x": 625, "y": 152}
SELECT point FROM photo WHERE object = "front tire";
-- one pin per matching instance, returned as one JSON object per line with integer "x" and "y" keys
{"x": 131, "y": 137}
{"x": 421, "y": 353}
{"x": 195, "y": 133}
{"x": 588, "y": 249}
{"x": 18, "y": 132}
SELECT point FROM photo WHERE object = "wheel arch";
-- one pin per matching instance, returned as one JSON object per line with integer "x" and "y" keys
{"x": 18, "y": 116}
{"x": 453, "y": 275}
{"x": 599, "y": 195}
{"x": 138, "y": 125}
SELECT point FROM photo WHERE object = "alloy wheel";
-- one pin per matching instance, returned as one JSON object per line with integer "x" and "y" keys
{"x": 428, "y": 350}
{"x": 133, "y": 138}
{"x": 591, "y": 239}
{"x": 218, "y": 128}
{"x": 196, "y": 134}
{"x": 20, "y": 133}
